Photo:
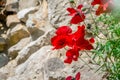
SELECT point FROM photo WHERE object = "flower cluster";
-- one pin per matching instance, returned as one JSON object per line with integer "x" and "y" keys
{"x": 105, "y": 6}
{"x": 76, "y": 41}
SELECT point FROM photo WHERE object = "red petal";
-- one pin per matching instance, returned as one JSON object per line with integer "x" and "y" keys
{"x": 72, "y": 11}
{"x": 59, "y": 41}
{"x": 77, "y": 77}
{"x": 99, "y": 10}
{"x": 77, "y": 19}
{"x": 75, "y": 57}
{"x": 80, "y": 6}
{"x": 69, "y": 54}
{"x": 104, "y": 8}
{"x": 87, "y": 46}
{"x": 68, "y": 60}
{"x": 84, "y": 44}
{"x": 92, "y": 40}
{"x": 64, "y": 30}
{"x": 69, "y": 78}
{"x": 80, "y": 33}
{"x": 73, "y": 54}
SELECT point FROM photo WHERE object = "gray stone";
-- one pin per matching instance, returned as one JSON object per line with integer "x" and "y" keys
{"x": 3, "y": 59}
{"x": 54, "y": 64}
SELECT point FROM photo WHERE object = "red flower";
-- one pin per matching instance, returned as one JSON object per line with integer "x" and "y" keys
{"x": 77, "y": 77}
{"x": 78, "y": 15}
{"x": 64, "y": 30}
{"x": 105, "y": 6}
{"x": 71, "y": 54}
{"x": 59, "y": 41}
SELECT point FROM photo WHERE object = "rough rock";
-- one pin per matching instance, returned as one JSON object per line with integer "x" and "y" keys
{"x": 33, "y": 67}
{"x": 39, "y": 18}
{"x": 23, "y": 14}
{"x": 17, "y": 33}
{"x": 3, "y": 76}
{"x": 12, "y": 6}
{"x": 2, "y": 44}
{"x": 57, "y": 13}
{"x": 37, "y": 21}
{"x": 12, "y": 20}
{"x": 32, "y": 47}
{"x": 13, "y": 51}
{"x": 23, "y": 4}
{"x": 8, "y": 69}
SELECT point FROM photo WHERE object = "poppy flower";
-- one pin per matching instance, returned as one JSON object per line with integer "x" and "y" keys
{"x": 77, "y": 77}
{"x": 105, "y": 6}
{"x": 59, "y": 41}
{"x": 71, "y": 54}
{"x": 64, "y": 30}
{"x": 77, "y": 15}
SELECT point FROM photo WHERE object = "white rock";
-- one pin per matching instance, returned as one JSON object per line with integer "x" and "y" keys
{"x": 12, "y": 20}
{"x": 23, "y": 14}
